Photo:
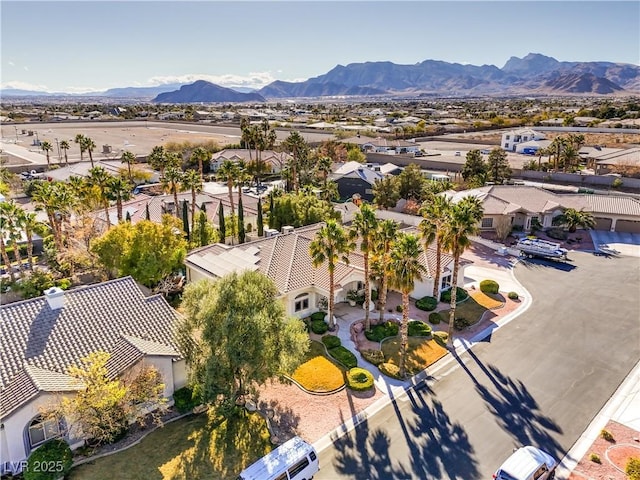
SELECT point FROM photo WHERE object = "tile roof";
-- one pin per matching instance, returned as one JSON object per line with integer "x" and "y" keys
{"x": 38, "y": 344}
{"x": 604, "y": 204}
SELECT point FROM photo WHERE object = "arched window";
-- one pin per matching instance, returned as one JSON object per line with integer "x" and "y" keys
{"x": 42, "y": 429}
{"x": 301, "y": 302}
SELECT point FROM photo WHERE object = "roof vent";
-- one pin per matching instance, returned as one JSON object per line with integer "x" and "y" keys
{"x": 55, "y": 298}
{"x": 287, "y": 229}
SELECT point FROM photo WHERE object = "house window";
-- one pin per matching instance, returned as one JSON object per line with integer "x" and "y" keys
{"x": 360, "y": 285}
{"x": 301, "y": 302}
{"x": 487, "y": 222}
{"x": 41, "y": 430}
{"x": 506, "y": 145}
{"x": 445, "y": 282}
{"x": 507, "y": 137}
{"x": 298, "y": 468}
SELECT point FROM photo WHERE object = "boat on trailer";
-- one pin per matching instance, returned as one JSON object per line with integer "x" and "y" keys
{"x": 536, "y": 247}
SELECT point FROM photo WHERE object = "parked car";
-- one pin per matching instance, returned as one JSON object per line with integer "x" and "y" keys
{"x": 293, "y": 460}
{"x": 527, "y": 463}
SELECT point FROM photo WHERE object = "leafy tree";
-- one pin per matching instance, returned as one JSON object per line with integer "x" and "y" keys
{"x": 411, "y": 182}
{"x": 462, "y": 222}
{"x": 475, "y": 169}
{"x": 206, "y": 233}
{"x": 331, "y": 244}
{"x": 222, "y": 227}
{"x": 498, "y": 166}
{"x": 147, "y": 251}
{"x": 260, "y": 220}
{"x": 55, "y": 454}
{"x": 300, "y": 209}
{"x": 363, "y": 227}
{"x": 386, "y": 193}
{"x": 406, "y": 269}
{"x": 185, "y": 220}
{"x": 574, "y": 219}
{"x": 241, "y": 232}
{"x": 356, "y": 155}
{"x": 236, "y": 335}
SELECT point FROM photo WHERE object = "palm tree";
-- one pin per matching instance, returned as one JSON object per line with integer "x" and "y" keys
{"x": 406, "y": 269}
{"x": 364, "y": 226}
{"x": 119, "y": 189}
{"x": 64, "y": 146}
{"x": 569, "y": 157}
{"x": 46, "y": 147}
{"x": 200, "y": 155}
{"x": 297, "y": 147}
{"x": 55, "y": 198}
{"x": 6, "y": 225}
{"x": 89, "y": 146}
{"x": 572, "y": 219}
{"x": 242, "y": 177}
{"x": 171, "y": 183}
{"x": 80, "y": 141}
{"x": 556, "y": 146}
{"x": 157, "y": 158}
{"x": 462, "y": 222}
{"x": 382, "y": 242}
{"x": 129, "y": 158}
{"x": 192, "y": 181}
{"x": 29, "y": 223}
{"x": 101, "y": 180}
{"x": 14, "y": 216}
{"x": 330, "y": 244}
{"x": 228, "y": 172}
{"x": 434, "y": 212}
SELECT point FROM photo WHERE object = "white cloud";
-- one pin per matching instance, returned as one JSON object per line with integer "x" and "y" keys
{"x": 26, "y": 69}
{"x": 252, "y": 80}
{"x": 11, "y": 64}
{"x": 24, "y": 86}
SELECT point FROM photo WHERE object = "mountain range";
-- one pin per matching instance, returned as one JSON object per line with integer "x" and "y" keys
{"x": 534, "y": 74}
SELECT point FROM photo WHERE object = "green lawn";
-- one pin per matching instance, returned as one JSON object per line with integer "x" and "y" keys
{"x": 197, "y": 446}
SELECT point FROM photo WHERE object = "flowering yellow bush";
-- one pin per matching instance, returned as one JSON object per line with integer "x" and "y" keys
{"x": 319, "y": 375}
{"x": 486, "y": 301}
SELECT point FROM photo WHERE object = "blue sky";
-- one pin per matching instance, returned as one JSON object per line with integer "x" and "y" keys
{"x": 93, "y": 45}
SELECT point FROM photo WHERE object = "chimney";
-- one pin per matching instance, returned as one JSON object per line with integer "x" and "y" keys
{"x": 55, "y": 298}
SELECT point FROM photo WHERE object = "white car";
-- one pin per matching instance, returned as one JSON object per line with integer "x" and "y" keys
{"x": 527, "y": 463}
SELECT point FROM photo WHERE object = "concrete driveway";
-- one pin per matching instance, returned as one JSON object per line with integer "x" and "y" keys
{"x": 625, "y": 243}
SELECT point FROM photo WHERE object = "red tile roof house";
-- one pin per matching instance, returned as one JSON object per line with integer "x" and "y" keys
{"x": 286, "y": 260}
{"x": 41, "y": 337}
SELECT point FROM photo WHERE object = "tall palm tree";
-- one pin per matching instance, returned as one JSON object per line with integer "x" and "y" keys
{"x": 129, "y": 158}
{"x": 101, "y": 180}
{"x": 463, "y": 221}
{"x": 228, "y": 172}
{"x": 89, "y": 146}
{"x": 192, "y": 181}
{"x": 29, "y": 223}
{"x": 55, "y": 198}
{"x": 297, "y": 147}
{"x": 79, "y": 139}
{"x": 46, "y": 147}
{"x": 119, "y": 189}
{"x": 64, "y": 146}
{"x": 15, "y": 216}
{"x": 172, "y": 183}
{"x": 435, "y": 213}
{"x": 200, "y": 155}
{"x": 406, "y": 269}
{"x": 6, "y": 225}
{"x": 242, "y": 177}
{"x": 156, "y": 158}
{"x": 330, "y": 244}
{"x": 381, "y": 249}
{"x": 363, "y": 227}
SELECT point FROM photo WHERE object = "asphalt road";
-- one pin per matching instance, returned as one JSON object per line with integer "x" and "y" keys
{"x": 538, "y": 380}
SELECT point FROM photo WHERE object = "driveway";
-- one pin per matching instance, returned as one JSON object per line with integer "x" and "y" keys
{"x": 626, "y": 243}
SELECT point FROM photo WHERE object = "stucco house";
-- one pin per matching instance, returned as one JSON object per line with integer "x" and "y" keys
{"x": 286, "y": 260}
{"x": 511, "y": 139}
{"x": 42, "y": 337}
{"x": 355, "y": 178}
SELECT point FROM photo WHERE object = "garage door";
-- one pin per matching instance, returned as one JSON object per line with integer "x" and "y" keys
{"x": 603, "y": 224}
{"x": 629, "y": 226}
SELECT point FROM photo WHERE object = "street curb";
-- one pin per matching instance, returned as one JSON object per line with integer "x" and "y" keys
{"x": 608, "y": 411}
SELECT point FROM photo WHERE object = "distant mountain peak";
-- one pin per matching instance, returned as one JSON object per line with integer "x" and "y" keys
{"x": 202, "y": 91}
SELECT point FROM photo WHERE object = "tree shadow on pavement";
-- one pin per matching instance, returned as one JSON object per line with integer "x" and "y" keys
{"x": 515, "y": 409}
{"x": 283, "y": 421}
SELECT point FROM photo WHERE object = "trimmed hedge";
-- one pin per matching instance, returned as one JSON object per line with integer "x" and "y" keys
{"x": 318, "y": 316}
{"x": 390, "y": 370}
{"x": 399, "y": 308}
{"x": 435, "y": 318}
{"x": 344, "y": 356}
{"x": 460, "y": 323}
{"x": 427, "y": 304}
{"x": 359, "y": 379}
{"x": 382, "y": 331}
{"x": 461, "y": 294}
{"x": 418, "y": 329}
{"x": 331, "y": 341}
{"x": 633, "y": 468}
{"x": 375, "y": 357}
{"x": 319, "y": 327}
{"x": 513, "y": 295}
{"x": 185, "y": 400}
{"x": 55, "y": 455}
{"x": 489, "y": 286}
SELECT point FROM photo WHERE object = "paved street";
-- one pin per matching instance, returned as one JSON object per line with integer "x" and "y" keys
{"x": 538, "y": 380}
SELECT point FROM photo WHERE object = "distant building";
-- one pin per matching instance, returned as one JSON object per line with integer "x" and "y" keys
{"x": 356, "y": 178}
{"x": 511, "y": 139}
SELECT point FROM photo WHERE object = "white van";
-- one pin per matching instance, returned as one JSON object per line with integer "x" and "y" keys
{"x": 527, "y": 463}
{"x": 293, "y": 460}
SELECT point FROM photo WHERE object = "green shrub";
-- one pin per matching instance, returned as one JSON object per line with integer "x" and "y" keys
{"x": 318, "y": 316}
{"x": 331, "y": 341}
{"x": 460, "y": 323}
{"x": 633, "y": 468}
{"x": 513, "y": 295}
{"x": 489, "y": 286}
{"x": 427, "y": 303}
{"x": 441, "y": 338}
{"x": 374, "y": 295}
{"x": 375, "y": 357}
{"x": 319, "y": 327}
{"x": 344, "y": 356}
{"x": 418, "y": 329}
{"x": 55, "y": 455}
{"x": 461, "y": 294}
{"x": 399, "y": 308}
{"x": 384, "y": 330}
{"x": 606, "y": 434}
{"x": 185, "y": 399}
{"x": 435, "y": 318}
{"x": 390, "y": 370}
{"x": 595, "y": 458}
{"x": 359, "y": 379}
